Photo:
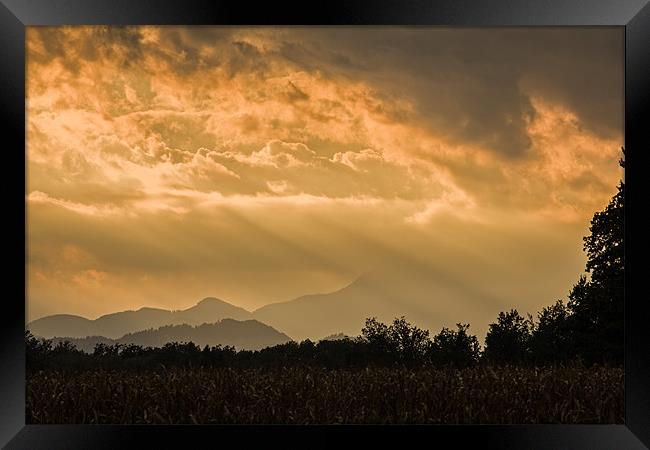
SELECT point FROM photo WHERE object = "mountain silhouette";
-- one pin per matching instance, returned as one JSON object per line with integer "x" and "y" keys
{"x": 424, "y": 299}
{"x": 430, "y": 299}
{"x": 243, "y": 335}
{"x": 115, "y": 325}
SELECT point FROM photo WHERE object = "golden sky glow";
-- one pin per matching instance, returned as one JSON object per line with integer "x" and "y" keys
{"x": 260, "y": 164}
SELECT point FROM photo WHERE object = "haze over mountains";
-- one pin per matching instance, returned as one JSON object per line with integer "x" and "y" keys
{"x": 422, "y": 300}
{"x": 243, "y": 335}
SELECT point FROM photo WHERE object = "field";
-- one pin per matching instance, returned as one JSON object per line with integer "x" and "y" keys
{"x": 307, "y": 395}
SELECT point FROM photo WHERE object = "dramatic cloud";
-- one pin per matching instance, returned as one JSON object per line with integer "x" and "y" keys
{"x": 166, "y": 164}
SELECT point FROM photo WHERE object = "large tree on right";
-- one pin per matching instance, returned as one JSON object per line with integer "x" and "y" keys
{"x": 596, "y": 302}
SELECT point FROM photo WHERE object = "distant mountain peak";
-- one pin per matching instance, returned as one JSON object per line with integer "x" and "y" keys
{"x": 146, "y": 308}
{"x": 208, "y": 300}
{"x": 114, "y": 325}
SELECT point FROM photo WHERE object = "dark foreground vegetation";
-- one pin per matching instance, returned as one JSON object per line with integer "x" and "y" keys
{"x": 310, "y": 395}
{"x": 390, "y": 374}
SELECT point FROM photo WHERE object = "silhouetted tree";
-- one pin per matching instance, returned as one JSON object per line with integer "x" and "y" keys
{"x": 132, "y": 351}
{"x": 410, "y": 341}
{"x": 344, "y": 352}
{"x": 37, "y": 351}
{"x": 400, "y": 342}
{"x": 596, "y": 303}
{"x": 508, "y": 340}
{"x": 36, "y": 346}
{"x": 456, "y": 348}
{"x": 380, "y": 344}
{"x": 551, "y": 339}
{"x": 102, "y": 350}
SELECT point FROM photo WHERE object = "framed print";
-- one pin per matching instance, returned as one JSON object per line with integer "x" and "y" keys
{"x": 404, "y": 220}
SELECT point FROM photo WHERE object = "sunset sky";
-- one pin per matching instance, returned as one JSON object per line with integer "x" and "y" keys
{"x": 256, "y": 165}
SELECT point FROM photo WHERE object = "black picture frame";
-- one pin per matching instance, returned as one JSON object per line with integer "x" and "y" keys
{"x": 633, "y": 15}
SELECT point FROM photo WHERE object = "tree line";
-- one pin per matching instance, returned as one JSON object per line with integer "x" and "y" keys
{"x": 397, "y": 344}
{"x": 588, "y": 328}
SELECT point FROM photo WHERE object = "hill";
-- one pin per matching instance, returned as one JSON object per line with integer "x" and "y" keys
{"x": 243, "y": 335}
{"x": 115, "y": 325}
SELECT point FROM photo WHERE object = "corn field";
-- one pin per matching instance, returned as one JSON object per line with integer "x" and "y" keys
{"x": 304, "y": 395}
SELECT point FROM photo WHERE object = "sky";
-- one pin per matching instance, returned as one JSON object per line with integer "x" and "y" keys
{"x": 256, "y": 165}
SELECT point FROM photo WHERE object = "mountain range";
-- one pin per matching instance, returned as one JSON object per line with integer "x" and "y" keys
{"x": 422, "y": 300}
{"x": 243, "y": 335}
{"x": 116, "y": 325}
